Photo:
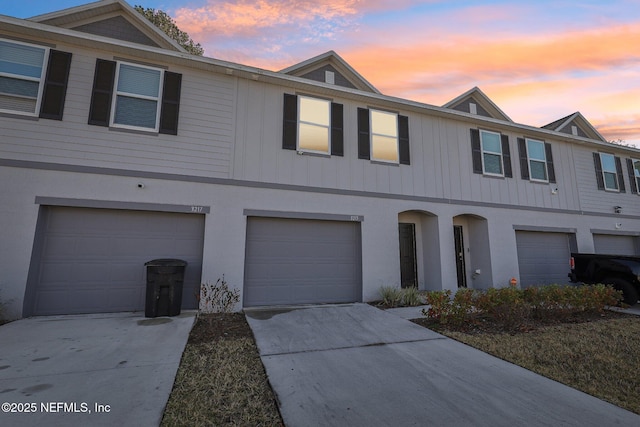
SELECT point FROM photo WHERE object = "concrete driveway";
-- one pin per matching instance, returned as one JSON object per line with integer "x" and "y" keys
{"x": 356, "y": 365}
{"x": 97, "y": 370}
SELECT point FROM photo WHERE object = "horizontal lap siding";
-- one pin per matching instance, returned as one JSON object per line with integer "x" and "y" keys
{"x": 203, "y": 145}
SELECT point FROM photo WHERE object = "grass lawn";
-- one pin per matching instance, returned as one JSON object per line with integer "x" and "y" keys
{"x": 221, "y": 380}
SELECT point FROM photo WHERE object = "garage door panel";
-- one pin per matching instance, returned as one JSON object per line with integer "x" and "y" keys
{"x": 92, "y": 260}
{"x": 292, "y": 261}
{"x": 543, "y": 258}
{"x": 609, "y": 244}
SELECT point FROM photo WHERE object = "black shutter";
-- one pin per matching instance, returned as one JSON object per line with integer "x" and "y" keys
{"x": 506, "y": 156}
{"x": 632, "y": 177}
{"x": 476, "y": 152}
{"x": 55, "y": 85}
{"x": 524, "y": 160}
{"x": 290, "y": 122}
{"x": 621, "y": 186}
{"x": 403, "y": 133}
{"x": 337, "y": 130}
{"x": 100, "y": 109}
{"x": 598, "y": 167}
{"x": 170, "y": 103}
{"x": 550, "y": 169}
{"x": 364, "y": 145}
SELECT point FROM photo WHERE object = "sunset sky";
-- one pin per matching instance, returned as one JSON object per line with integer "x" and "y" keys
{"x": 537, "y": 60}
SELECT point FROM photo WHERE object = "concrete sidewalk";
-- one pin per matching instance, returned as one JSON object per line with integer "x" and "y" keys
{"x": 98, "y": 370}
{"x": 356, "y": 365}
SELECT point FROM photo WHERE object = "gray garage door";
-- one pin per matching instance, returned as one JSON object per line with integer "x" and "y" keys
{"x": 92, "y": 260}
{"x": 543, "y": 258}
{"x": 292, "y": 261}
{"x": 615, "y": 245}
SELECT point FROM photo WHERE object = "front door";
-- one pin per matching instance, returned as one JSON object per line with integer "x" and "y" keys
{"x": 408, "y": 270}
{"x": 461, "y": 269}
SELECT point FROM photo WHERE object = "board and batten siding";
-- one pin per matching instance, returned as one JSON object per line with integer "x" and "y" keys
{"x": 202, "y": 147}
{"x": 441, "y": 163}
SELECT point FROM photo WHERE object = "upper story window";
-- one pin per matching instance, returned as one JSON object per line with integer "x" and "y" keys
{"x": 536, "y": 160}
{"x": 490, "y": 153}
{"x": 633, "y": 166}
{"x": 608, "y": 172}
{"x": 312, "y": 125}
{"x": 137, "y": 97}
{"x": 383, "y": 136}
{"x": 33, "y": 79}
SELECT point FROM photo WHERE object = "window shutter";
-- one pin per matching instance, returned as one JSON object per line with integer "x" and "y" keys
{"x": 506, "y": 156}
{"x": 476, "y": 152}
{"x": 598, "y": 167}
{"x": 633, "y": 186}
{"x": 55, "y": 85}
{"x": 100, "y": 109}
{"x": 364, "y": 145}
{"x": 550, "y": 169}
{"x": 403, "y": 133}
{"x": 290, "y": 122}
{"x": 170, "y": 103}
{"x": 524, "y": 160}
{"x": 337, "y": 130}
{"x": 620, "y": 175}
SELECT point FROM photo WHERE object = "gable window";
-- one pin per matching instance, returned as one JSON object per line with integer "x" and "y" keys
{"x": 33, "y": 79}
{"x": 383, "y": 136}
{"x": 137, "y": 97}
{"x": 312, "y": 125}
{"x": 536, "y": 160}
{"x": 490, "y": 153}
{"x": 608, "y": 172}
{"x": 633, "y": 167}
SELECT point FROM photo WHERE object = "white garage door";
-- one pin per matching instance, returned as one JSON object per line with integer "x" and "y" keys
{"x": 92, "y": 260}
{"x": 543, "y": 258}
{"x": 299, "y": 261}
{"x": 615, "y": 245}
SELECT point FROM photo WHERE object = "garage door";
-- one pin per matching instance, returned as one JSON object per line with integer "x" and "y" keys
{"x": 92, "y": 260}
{"x": 292, "y": 261}
{"x": 543, "y": 258}
{"x": 614, "y": 244}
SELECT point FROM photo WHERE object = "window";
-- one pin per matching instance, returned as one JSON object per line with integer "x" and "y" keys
{"x": 608, "y": 172}
{"x": 312, "y": 125}
{"x": 536, "y": 160}
{"x": 633, "y": 168}
{"x": 383, "y": 136}
{"x": 135, "y": 97}
{"x": 490, "y": 153}
{"x": 33, "y": 79}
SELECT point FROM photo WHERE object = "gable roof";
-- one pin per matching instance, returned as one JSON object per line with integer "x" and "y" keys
{"x": 330, "y": 60}
{"x": 478, "y": 97}
{"x": 109, "y": 12}
{"x": 583, "y": 127}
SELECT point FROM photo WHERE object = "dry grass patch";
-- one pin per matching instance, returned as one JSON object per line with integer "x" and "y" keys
{"x": 600, "y": 357}
{"x": 221, "y": 380}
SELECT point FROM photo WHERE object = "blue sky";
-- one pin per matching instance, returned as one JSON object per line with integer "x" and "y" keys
{"x": 537, "y": 60}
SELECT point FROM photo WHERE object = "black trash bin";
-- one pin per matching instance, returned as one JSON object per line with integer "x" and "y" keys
{"x": 164, "y": 287}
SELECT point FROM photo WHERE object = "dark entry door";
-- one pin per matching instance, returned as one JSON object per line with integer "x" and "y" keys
{"x": 460, "y": 263}
{"x": 408, "y": 270}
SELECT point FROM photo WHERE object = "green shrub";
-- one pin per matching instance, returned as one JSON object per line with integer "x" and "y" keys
{"x": 512, "y": 307}
{"x": 411, "y": 297}
{"x": 391, "y": 296}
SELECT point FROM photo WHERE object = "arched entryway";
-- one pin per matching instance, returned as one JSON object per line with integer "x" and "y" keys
{"x": 472, "y": 251}
{"x": 419, "y": 250}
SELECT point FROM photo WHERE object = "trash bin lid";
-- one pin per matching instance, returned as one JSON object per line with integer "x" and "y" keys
{"x": 166, "y": 262}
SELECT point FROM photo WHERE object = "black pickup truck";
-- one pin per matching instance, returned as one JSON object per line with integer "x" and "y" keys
{"x": 622, "y": 272}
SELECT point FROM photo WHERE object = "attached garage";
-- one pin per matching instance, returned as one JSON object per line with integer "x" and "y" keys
{"x": 612, "y": 244}
{"x": 92, "y": 260}
{"x": 302, "y": 261}
{"x": 543, "y": 257}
